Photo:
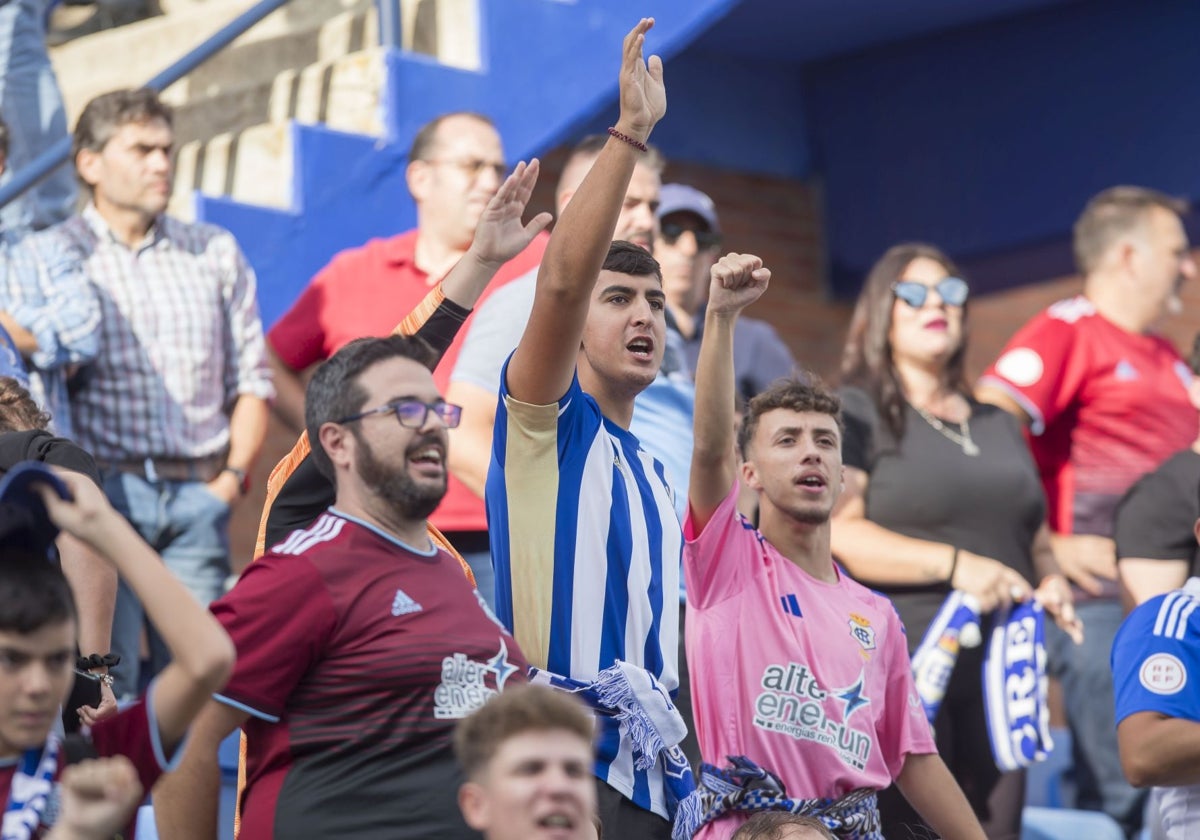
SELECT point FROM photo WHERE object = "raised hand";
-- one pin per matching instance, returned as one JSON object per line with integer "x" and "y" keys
{"x": 500, "y": 235}
{"x": 737, "y": 281}
{"x": 643, "y": 96}
{"x": 87, "y": 511}
{"x": 98, "y": 799}
{"x": 991, "y": 582}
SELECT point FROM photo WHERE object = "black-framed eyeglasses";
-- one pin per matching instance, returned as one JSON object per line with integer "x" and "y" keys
{"x": 705, "y": 239}
{"x": 413, "y": 413}
{"x": 474, "y": 167}
{"x": 952, "y": 290}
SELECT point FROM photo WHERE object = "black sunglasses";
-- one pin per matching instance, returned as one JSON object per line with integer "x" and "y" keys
{"x": 952, "y": 290}
{"x": 413, "y": 413}
{"x": 705, "y": 239}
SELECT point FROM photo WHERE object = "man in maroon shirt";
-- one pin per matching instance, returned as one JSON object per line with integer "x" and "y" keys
{"x": 360, "y": 641}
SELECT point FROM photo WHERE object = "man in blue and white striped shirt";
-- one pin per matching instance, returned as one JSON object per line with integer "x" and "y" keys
{"x": 585, "y": 538}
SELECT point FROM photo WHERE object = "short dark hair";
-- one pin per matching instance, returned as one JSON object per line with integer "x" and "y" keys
{"x": 3, "y": 139}
{"x": 805, "y": 395}
{"x": 1194, "y": 358}
{"x": 19, "y": 412}
{"x": 769, "y": 825}
{"x": 334, "y": 392}
{"x": 426, "y": 137}
{"x": 33, "y": 591}
{"x": 107, "y": 113}
{"x": 520, "y": 709}
{"x": 626, "y": 258}
{"x": 1114, "y": 213}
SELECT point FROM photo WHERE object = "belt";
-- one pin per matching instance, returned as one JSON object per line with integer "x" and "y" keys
{"x": 169, "y": 469}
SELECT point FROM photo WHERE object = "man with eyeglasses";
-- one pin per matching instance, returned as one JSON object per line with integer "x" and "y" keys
{"x": 1105, "y": 398}
{"x": 687, "y": 247}
{"x": 360, "y": 641}
{"x": 456, "y": 164}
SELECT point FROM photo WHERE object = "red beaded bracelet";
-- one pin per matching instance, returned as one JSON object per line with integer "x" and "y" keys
{"x": 625, "y": 138}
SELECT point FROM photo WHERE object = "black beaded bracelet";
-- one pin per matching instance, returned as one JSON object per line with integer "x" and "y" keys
{"x": 953, "y": 567}
{"x": 96, "y": 660}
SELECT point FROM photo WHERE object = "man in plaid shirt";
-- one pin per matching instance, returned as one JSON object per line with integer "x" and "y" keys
{"x": 174, "y": 408}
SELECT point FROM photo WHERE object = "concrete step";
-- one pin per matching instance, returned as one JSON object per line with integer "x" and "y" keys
{"x": 303, "y": 32}
{"x": 343, "y": 93}
{"x": 252, "y": 162}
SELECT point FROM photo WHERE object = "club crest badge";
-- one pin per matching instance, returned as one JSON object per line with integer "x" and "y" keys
{"x": 862, "y": 631}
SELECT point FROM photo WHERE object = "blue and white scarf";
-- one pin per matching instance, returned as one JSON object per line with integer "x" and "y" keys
{"x": 744, "y": 787}
{"x": 1014, "y": 687}
{"x": 646, "y": 715}
{"x": 30, "y": 791}
{"x": 1014, "y": 675}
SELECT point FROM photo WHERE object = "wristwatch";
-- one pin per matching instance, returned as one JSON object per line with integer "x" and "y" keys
{"x": 242, "y": 476}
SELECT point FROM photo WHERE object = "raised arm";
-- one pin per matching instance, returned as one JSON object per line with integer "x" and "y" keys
{"x": 499, "y": 237}
{"x": 737, "y": 281}
{"x": 544, "y": 362}
{"x": 201, "y": 653}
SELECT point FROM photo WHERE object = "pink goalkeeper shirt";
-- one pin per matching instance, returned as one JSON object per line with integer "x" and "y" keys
{"x": 810, "y": 680}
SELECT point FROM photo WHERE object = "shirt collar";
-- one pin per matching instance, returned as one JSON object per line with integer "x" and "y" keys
{"x": 103, "y": 232}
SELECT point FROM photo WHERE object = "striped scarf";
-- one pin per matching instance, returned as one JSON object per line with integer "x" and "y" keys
{"x": 30, "y": 791}
{"x": 744, "y": 787}
{"x": 1014, "y": 675}
{"x": 646, "y": 715}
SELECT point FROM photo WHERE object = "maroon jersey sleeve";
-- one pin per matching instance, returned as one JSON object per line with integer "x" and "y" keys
{"x": 280, "y": 617}
{"x": 1040, "y": 367}
{"x": 133, "y": 733}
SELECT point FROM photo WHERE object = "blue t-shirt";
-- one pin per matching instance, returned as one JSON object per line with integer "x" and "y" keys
{"x": 1156, "y": 656}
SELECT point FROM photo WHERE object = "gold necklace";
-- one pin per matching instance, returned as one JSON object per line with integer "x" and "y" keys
{"x": 963, "y": 438}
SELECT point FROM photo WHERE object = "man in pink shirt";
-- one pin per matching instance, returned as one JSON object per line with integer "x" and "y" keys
{"x": 794, "y": 666}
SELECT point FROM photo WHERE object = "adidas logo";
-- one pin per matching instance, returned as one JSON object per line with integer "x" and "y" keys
{"x": 403, "y": 605}
{"x": 791, "y": 605}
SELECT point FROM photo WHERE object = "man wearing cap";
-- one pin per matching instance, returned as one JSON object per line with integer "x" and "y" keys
{"x": 687, "y": 247}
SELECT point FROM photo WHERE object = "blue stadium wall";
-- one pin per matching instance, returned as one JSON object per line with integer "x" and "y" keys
{"x": 986, "y": 139}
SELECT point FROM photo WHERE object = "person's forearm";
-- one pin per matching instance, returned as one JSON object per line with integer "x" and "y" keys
{"x": 1159, "y": 750}
{"x": 929, "y": 787}
{"x": 1044, "y": 562}
{"x": 196, "y": 641}
{"x": 872, "y": 552}
{"x": 583, "y": 233}
{"x": 713, "y": 460}
{"x": 289, "y": 393}
{"x": 93, "y": 582}
{"x": 25, "y": 341}
{"x": 247, "y": 431}
{"x": 186, "y": 800}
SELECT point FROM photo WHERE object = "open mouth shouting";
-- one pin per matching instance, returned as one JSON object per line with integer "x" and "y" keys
{"x": 429, "y": 458}
{"x": 642, "y": 348}
{"x": 812, "y": 482}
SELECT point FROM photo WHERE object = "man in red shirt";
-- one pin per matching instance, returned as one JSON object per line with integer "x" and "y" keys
{"x": 1106, "y": 401}
{"x": 456, "y": 165}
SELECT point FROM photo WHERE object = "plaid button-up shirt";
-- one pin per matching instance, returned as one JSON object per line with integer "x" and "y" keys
{"x": 180, "y": 338}
{"x": 45, "y": 291}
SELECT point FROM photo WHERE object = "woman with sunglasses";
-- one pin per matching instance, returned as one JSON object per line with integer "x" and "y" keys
{"x": 940, "y": 494}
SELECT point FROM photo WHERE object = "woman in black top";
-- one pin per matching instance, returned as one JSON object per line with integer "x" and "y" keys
{"x": 940, "y": 492}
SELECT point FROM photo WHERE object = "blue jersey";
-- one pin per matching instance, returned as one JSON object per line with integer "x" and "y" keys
{"x": 1156, "y": 656}
{"x": 586, "y": 545}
